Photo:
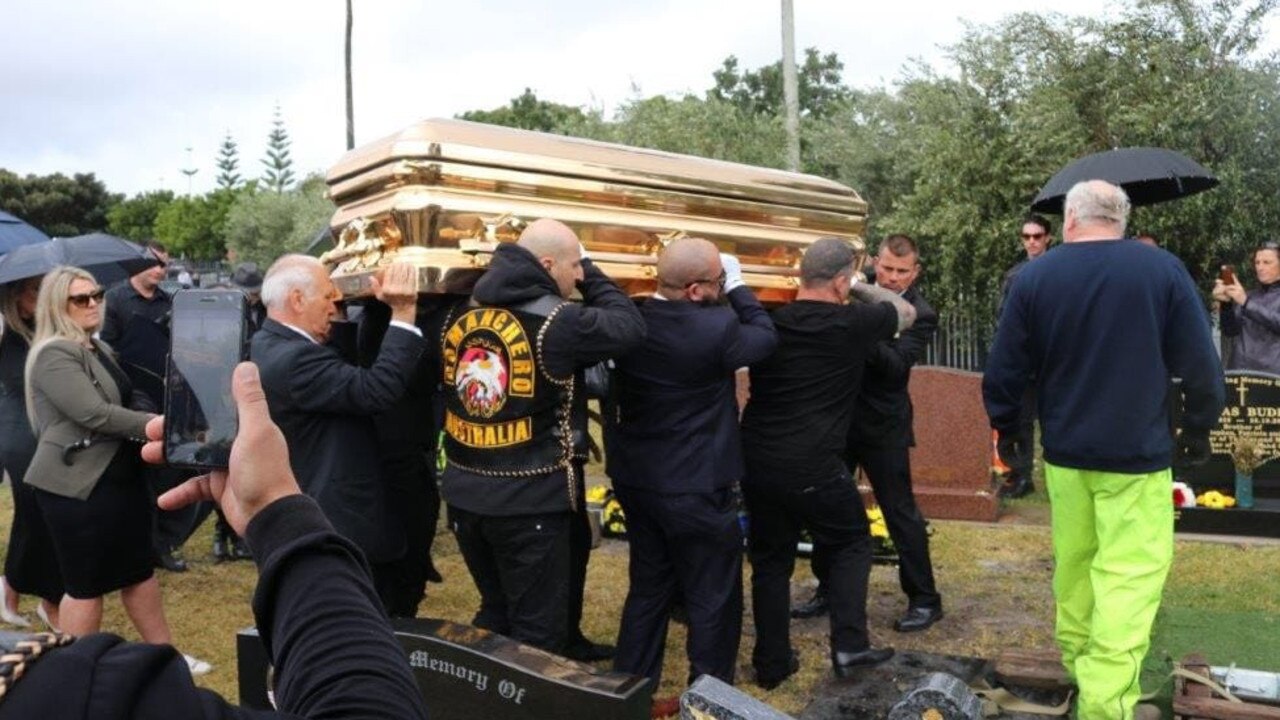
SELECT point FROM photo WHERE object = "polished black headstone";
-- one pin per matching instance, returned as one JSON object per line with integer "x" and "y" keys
{"x": 1252, "y": 411}
{"x": 465, "y": 672}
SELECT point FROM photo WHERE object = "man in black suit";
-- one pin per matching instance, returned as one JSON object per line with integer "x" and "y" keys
{"x": 515, "y": 421}
{"x": 880, "y": 438}
{"x": 793, "y": 434}
{"x": 325, "y": 405}
{"x": 674, "y": 456}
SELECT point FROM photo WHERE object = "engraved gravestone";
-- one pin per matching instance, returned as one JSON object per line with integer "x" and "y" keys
{"x": 1252, "y": 411}
{"x": 465, "y": 672}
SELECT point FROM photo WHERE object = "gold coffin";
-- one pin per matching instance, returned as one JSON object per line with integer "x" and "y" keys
{"x": 442, "y": 193}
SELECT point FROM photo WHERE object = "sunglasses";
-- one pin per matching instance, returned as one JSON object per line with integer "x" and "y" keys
{"x": 1033, "y": 236}
{"x": 83, "y": 299}
{"x": 718, "y": 280}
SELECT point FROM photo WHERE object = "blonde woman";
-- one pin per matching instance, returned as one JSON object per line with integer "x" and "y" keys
{"x": 86, "y": 465}
{"x": 30, "y": 567}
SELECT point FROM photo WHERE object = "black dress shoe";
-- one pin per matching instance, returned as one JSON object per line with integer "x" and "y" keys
{"x": 769, "y": 682}
{"x": 1016, "y": 488}
{"x": 917, "y": 618}
{"x": 583, "y": 650}
{"x": 815, "y": 606}
{"x": 168, "y": 561}
{"x": 846, "y": 664}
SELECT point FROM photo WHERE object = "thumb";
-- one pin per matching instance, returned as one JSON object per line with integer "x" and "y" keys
{"x": 251, "y": 399}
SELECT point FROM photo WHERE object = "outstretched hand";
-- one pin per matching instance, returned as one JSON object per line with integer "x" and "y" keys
{"x": 259, "y": 472}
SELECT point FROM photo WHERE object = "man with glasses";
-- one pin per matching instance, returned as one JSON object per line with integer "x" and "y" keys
{"x": 793, "y": 431}
{"x": 1037, "y": 234}
{"x": 674, "y": 456}
{"x": 1252, "y": 319}
{"x": 136, "y": 326}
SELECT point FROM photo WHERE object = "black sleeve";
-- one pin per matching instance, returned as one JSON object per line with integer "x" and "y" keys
{"x": 606, "y": 325}
{"x": 321, "y": 381}
{"x": 872, "y": 321}
{"x": 321, "y": 622}
{"x": 753, "y": 338}
{"x": 895, "y": 358}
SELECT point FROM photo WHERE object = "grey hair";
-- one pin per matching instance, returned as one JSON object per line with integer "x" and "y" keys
{"x": 1098, "y": 202}
{"x": 287, "y": 273}
{"x": 826, "y": 259}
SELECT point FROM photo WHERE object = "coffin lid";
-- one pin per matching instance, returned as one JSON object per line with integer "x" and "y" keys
{"x": 460, "y": 141}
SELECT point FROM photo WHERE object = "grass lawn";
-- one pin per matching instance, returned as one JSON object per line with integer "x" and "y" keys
{"x": 1222, "y": 599}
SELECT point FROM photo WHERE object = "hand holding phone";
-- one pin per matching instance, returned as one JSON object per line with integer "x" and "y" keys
{"x": 1227, "y": 275}
{"x": 208, "y": 338}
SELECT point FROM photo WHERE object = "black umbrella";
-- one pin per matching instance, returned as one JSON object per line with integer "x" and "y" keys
{"x": 107, "y": 257}
{"x": 16, "y": 233}
{"x": 1148, "y": 175}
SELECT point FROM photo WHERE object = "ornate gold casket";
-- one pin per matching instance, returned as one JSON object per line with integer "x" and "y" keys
{"x": 442, "y": 193}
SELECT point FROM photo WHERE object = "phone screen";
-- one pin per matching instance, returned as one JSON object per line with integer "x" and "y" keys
{"x": 208, "y": 333}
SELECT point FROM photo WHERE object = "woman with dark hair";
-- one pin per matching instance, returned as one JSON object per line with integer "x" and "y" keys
{"x": 30, "y": 568}
{"x": 86, "y": 468}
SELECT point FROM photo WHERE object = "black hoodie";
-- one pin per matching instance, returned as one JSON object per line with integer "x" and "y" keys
{"x": 604, "y": 325}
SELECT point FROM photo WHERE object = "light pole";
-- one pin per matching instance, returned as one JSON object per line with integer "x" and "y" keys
{"x": 790, "y": 91}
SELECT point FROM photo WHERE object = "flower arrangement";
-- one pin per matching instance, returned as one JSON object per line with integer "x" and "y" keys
{"x": 1215, "y": 500}
{"x": 1183, "y": 495}
{"x": 1246, "y": 455}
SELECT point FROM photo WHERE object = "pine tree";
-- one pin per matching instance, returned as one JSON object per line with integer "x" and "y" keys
{"x": 279, "y": 165}
{"x": 228, "y": 163}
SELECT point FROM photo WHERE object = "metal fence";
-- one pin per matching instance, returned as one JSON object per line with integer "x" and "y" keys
{"x": 962, "y": 340}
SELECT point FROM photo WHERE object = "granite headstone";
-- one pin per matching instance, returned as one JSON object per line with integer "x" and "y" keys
{"x": 951, "y": 462}
{"x": 465, "y": 672}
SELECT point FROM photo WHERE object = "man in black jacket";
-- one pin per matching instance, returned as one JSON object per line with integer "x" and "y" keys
{"x": 793, "y": 432}
{"x": 313, "y": 592}
{"x": 675, "y": 456}
{"x": 515, "y": 422}
{"x": 880, "y": 439}
{"x": 325, "y": 405}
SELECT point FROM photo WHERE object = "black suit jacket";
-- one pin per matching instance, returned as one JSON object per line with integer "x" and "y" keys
{"x": 675, "y": 429}
{"x": 325, "y": 407}
{"x": 882, "y": 413}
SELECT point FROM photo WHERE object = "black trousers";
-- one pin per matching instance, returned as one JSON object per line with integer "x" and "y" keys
{"x": 579, "y": 556}
{"x": 833, "y": 513}
{"x": 412, "y": 493}
{"x": 688, "y": 546}
{"x": 889, "y": 471}
{"x": 1026, "y": 435}
{"x": 520, "y": 565}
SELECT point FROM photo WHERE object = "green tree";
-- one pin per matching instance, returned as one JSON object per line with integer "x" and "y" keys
{"x": 195, "y": 226}
{"x": 705, "y": 128}
{"x": 228, "y": 163}
{"x": 529, "y": 113}
{"x": 135, "y": 218}
{"x": 279, "y": 166}
{"x": 263, "y": 226}
{"x": 61, "y": 206}
{"x": 818, "y": 80}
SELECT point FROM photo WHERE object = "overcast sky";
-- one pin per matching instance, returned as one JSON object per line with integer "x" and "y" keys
{"x": 122, "y": 88}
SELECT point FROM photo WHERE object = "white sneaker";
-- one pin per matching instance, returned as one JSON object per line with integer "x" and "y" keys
{"x": 197, "y": 666}
{"x": 6, "y": 614}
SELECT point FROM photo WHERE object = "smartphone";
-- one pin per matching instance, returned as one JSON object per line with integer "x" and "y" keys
{"x": 1227, "y": 275}
{"x": 209, "y": 336}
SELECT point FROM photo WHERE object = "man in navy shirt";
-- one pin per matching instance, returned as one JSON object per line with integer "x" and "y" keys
{"x": 675, "y": 457}
{"x": 1103, "y": 323}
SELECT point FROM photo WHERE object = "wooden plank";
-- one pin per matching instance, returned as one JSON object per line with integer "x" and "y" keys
{"x": 1039, "y": 668}
{"x": 1217, "y": 709}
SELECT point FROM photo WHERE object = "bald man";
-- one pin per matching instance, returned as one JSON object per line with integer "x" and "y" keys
{"x": 515, "y": 430}
{"x": 325, "y": 406}
{"x": 674, "y": 456}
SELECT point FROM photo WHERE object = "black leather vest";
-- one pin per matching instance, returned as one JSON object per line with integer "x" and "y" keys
{"x": 505, "y": 416}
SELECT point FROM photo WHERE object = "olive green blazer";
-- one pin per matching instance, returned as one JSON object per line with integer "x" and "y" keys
{"x": 74, "y": 398}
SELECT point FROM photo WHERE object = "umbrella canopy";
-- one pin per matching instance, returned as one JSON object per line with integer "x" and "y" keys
{"x": 107, "y": 257}
{"x": 1148, "y": 175}
{"x": 16, "y": 233}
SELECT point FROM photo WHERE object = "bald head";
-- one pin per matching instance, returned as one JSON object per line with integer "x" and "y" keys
{"x": 549, "y": 238}
{"x": 555, "y": 245}
{"x": 687, "y": 260}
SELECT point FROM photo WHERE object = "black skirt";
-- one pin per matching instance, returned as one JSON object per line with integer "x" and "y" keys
{"x": 103, "y": 543}
{"x": 30, "y": 566}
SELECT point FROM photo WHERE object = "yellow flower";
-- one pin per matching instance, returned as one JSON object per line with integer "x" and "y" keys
{"x": 597, "y": 493}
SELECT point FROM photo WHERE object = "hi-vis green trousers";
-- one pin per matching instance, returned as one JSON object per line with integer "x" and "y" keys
{"x": 1112, "y": 547}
